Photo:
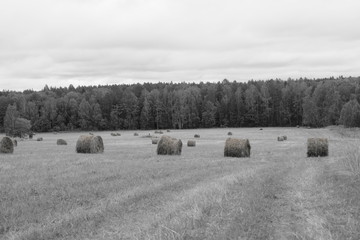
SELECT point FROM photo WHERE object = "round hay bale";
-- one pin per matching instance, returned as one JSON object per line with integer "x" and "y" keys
{"x": 6, "y": 145}
{"x": 154, "y": 141}
{"x": 280, "y": 139}
{"x": 168, "y": 130}
{"x": 39, "y": 139}
{"x": 191, "y": 143}
{"x": 61, "y": 142}
{"x": 284, "y": 137}
{"x": 196, "y": 136}
{"x": 158, "y": 132}
{"x": 169, "y": 146}
{"x": 89, "y": 144}
{"x": 118, "y": 134}
{"x": 136, "y": 134}
{"x": 229, "y": 133}
{"x": 113, "y": 134}
{"x": 317, "y": 147}
{"x": 261, "y": 129}
{"x": 235, "y": 147}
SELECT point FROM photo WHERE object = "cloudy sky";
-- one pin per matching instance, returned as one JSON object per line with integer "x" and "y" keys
{"x": 88, "y": 42}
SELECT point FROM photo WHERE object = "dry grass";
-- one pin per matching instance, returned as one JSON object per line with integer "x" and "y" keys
{"x": 129, "y": 192}
{"x": 351, "y": 160}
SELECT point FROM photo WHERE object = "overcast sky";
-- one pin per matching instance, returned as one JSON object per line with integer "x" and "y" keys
{"x": 90, "y": 42}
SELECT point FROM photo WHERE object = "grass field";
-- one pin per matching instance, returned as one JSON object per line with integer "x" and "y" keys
{"x": 129, "y": 192}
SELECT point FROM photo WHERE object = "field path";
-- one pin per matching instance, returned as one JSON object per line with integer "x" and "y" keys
{"x": 296, "y": 216}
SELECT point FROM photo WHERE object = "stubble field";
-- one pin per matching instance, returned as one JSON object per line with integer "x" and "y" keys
{"x": 129, "y": 192}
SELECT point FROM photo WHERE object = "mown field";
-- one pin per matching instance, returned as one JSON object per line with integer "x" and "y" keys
{"x": 129, "y": 192}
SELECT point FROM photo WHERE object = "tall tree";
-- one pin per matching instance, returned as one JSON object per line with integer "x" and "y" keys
{"x": 350, "y": 114}
{"x": 10, "y": 119}
{"x": 85, "y": 115}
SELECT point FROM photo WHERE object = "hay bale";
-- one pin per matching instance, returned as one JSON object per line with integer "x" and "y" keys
{"x": 113, "y": 134}
{"x": 284, "y": 137}
{"x": 89, "y": 144}
{"x": 191, "y": 143}
{"x": 61, "y": 142}
{"x": 118, "y": 134}
{"x": 136, "y": 134}
{"x": 317, "y": 147}
{"x": 168, "y": 130}
{"x": 6, "y": 145}
{"x": 148, "y": 136}
{"x": 169, "y": 146}
{"x": 280, "y": 139}
{"x": 196, "y": 136}
{"x": 158, "y": 132}
{"x": 235, "y": 147}
{"x": 39, "y": 139}
{"x": 154, "y": 141}
{"x": 229, "y": 133}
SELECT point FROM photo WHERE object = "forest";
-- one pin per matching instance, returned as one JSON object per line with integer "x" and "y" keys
{"x": 292, "y": 102}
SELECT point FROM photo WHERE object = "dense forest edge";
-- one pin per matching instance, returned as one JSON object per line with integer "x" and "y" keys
{"x": 300, "y": 102}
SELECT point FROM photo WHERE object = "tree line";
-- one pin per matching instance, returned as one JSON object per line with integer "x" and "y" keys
{"x": 310, "y": 102}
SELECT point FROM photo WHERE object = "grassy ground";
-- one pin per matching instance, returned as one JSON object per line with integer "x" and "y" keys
{"x": 128, "y": 192}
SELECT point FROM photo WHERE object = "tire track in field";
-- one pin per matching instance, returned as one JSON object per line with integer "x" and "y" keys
{"x": 296, "y": 215}
{"x": 121, "y": 212}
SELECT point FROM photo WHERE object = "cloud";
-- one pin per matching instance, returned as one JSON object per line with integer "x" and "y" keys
{"x": 120, "y": 41}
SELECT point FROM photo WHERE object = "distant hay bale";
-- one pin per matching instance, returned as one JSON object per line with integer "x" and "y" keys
{"x": 39, "y": 139}
{"x": 196, "y": 136}
{"x": 89, "y": 144}
{"x": 169, "y": 146}
{"x": 6, "y": 145}
{"x": 280, "y": 139}
{"x": 317, "y": 147}
{"x": 261, "y": 129}
{"x": 113, "y": 134}
{"x": 168, "y": 130}
{"x": 136, "y": 134}
{"x": 191, "y": 143}
{"x": 158, "y": 132}
{"x": 229, "y": 133}
{"x": 235, "y": 147}
{"x": 284, "y": 137}
{"x": 148, "y": 136}
{"x": 61, "y": 142}
{"x": 118, "y": 134}
{"x": 154, "y": 141}
{"x": 91, "y": 133}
